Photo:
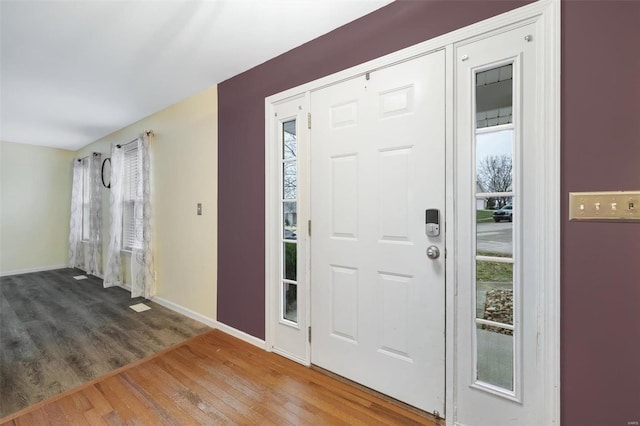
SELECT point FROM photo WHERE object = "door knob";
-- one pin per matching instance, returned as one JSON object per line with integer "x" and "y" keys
{"x": 433, "y": 252}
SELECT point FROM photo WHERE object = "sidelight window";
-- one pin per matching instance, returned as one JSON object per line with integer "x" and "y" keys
{"x": 289, "y": 222}
{"x": 497, "y": 216}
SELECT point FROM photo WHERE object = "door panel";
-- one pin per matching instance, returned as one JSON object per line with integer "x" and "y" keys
{"x": 499, "y": 365}
{"x": 289, "y": 293}
{"x": 377, "y": 163}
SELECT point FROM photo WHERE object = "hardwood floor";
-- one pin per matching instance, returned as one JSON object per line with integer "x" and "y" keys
{"x": 57, "y": 333}
{"x": 216, "y": 379}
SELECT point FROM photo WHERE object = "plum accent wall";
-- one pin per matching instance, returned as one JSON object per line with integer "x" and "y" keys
{"x": 600, "y": 281}
{"x": 241, "y": 131}
{"x": 600, "y": 321}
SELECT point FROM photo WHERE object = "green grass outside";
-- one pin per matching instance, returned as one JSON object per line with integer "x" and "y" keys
{"x": 484, "y": 216}
{"x": 494, "y": 271}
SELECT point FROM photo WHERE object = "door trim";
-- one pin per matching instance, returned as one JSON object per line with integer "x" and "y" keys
{"x": 272, "y": 222}
{"x": 547, "y": 12}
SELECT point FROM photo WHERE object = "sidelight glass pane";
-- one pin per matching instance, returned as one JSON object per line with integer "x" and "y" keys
{"x": 494, "y": 291}
{"x": 494, "y": 97}
{"x": 290, "y": 220}
{"x": 289, "y": 180}
{"x": 494, "y": 161}
{"x": 495, "y": 356}
{"x": 290, "y": 302}
{"x": 494, "y": 226}
{"x": 494, "y": 216}
{"x": 289, "y": 140}
{"x": 290, "y": 261}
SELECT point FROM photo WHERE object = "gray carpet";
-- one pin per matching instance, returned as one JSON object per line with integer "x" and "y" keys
{"x": 57, "y": 333}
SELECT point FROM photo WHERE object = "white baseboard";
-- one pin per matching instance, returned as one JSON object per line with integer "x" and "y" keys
{"x": 210, "y": 322}
{"x": 29, "y": 270}
{"x": 185, "y": 311}
{"x": 241, "y": 335}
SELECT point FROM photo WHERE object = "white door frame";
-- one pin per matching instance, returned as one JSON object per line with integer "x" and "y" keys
{"x": 297, "y": 107}
{"x": 547, "y": 13}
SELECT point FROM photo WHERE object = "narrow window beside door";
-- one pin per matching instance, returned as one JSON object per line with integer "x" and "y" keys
{"x": 289, "y": 221}
{"x": 495, "y": 195}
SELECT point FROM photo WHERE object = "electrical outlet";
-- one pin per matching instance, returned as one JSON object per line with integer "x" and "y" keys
{"x": 607, "y": 205}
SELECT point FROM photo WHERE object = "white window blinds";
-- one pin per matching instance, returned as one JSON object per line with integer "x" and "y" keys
{"x": 131, "y": 225}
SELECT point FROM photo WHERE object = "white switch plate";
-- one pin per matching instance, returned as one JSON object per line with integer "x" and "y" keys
{"x": 607, "y": 205}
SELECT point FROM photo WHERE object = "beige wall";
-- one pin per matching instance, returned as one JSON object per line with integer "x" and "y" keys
{"x": 184, "y": 168}
{"x": 35, "y": 199}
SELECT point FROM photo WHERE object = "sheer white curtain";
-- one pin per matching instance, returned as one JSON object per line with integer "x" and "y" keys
{"x": 85, "y": 226}
{"x": 113, "y": 269}
{"x": 142, "y": 276}
{"x": 141, "y": 267}
{"x": 93, "y": 264}
{"x": 76, "y": 252}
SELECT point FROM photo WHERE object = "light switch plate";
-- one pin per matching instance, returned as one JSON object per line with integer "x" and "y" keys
{"x": 608, "y": 205}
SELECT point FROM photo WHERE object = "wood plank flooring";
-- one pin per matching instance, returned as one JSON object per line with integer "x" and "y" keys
{"x": 57, "y": 333}
{"x": 216, "y": 379}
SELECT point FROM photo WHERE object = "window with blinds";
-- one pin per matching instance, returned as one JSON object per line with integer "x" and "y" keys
{"x": 131, "y": 225}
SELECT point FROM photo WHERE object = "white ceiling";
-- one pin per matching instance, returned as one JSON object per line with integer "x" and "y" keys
{"x": 72, "y": 72}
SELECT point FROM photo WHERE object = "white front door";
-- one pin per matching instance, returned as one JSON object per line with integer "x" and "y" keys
{"x": 377, "y": 165}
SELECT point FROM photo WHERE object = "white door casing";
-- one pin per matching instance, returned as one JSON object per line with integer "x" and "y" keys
{"x": 289, "y": 335}
{"x": 377, "y": 161}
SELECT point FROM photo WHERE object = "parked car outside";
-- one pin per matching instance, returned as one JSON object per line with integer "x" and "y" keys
{"x": 505, "y": 213}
